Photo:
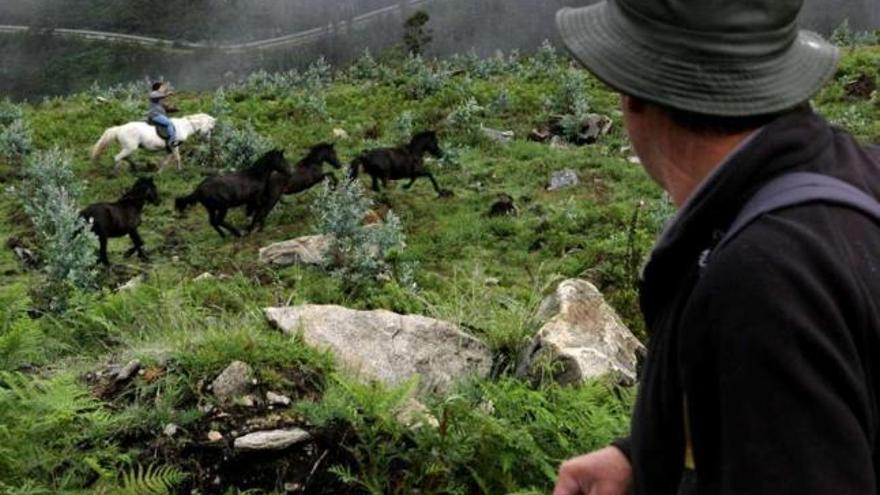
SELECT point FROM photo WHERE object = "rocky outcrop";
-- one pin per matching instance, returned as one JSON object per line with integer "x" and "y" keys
{"x": 271, "y": 440}
{"x": 582, "y": 334}
{"x": 385, "y": 346}
{"x": 309, "y": 250}
{"x": 562, "y": 179}
{"x": 234, "y": 382}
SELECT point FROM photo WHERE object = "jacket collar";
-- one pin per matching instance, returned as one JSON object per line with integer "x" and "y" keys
{"x": 795, "y": 139}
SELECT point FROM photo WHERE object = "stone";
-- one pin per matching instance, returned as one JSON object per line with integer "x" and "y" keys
{"x": 204, "y": 276}
{"x": 388, "y": 347}
{"x": 862, "y": 87}
{"x": 308, "y": 250}
{"x": 540, "y": 135}
{"x": 170, "y": 430}
{"x": 498, "y": 136}
{"x": 562, "y": 179}
{"x": 340, "y": 134}
{"x": 414, "y": 415}
{"x": 128, "y": 371}
{"x": 233, "y": 382}
{"x": 277, "y": 399}
{"x": 131, "y": 284}
{"x": 214, "y": 436}
{"x": 584, "y": 334}
{"x": 271, "y": 440}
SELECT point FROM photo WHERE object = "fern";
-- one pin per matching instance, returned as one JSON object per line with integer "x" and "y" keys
{"x": 154, "y": 480}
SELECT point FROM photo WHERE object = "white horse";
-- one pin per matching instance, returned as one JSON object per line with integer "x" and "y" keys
{"x": 136, "y": 135}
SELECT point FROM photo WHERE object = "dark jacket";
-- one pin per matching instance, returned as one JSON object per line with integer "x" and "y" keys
{"x": 774, "y": 347}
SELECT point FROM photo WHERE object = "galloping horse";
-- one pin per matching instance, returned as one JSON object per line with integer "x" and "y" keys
{"x": 246, "y": 188}
{"x": 402, "y": 162}
{"x": 122, "y": 218}
{"x": 136, "y": 135}
{"x": 306, "y": 174}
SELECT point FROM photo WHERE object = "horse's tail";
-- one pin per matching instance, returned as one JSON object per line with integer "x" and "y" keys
{"x": 355, "y": 167}
{"x": 102, "y": 144}
{"x": 182, "y": 203}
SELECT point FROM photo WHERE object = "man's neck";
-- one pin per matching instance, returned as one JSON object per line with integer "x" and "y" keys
{"x": 689, "y": 159}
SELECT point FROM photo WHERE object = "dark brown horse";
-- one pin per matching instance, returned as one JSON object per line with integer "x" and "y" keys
{"x": 307, "y": 173}
{"x": 402, "y": 162}
{"x": 246, "y": 188}
{"x": 109, "y": 220}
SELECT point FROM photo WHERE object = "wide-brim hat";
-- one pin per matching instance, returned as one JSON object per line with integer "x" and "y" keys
{"x": 702, "y": 56}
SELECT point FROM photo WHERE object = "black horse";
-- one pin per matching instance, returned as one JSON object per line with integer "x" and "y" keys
{"x": 306, "y": 174}
{"x": 402, "y": 162}
{"x": 246, "y": 188}
{"x": 122, "y": 218}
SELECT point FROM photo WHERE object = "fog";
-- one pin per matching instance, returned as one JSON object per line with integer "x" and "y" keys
{"x": 37, "y": 64}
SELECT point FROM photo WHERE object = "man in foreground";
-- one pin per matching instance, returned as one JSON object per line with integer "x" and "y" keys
{"x": 762, "y": 297}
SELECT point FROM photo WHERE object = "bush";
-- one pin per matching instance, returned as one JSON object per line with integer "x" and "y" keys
{"x": 50, "y": 193}
{"x": 361, "y": 254}
{"x": 500, "y": 437}
{"x": 15, "y": 142}
{"x": 464, "y": 121}
{"x": 237, "y": 148}
{"x": 9, "y": 112}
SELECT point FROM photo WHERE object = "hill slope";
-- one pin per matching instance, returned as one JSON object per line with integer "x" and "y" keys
{"x": 63, "y": 432}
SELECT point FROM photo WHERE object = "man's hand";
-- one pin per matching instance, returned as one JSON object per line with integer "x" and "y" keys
{"x": 604, "y": 472}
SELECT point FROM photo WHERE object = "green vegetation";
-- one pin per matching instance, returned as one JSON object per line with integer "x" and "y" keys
{"x": 65, "y": 428}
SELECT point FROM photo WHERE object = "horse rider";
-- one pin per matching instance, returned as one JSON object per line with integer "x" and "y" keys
{"x": 158, "y": 113}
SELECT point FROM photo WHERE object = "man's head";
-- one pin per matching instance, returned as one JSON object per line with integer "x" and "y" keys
{"x": 697, "y": 76}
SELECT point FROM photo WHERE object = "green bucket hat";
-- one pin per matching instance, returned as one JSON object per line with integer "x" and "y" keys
{"x": 715, "y": 57}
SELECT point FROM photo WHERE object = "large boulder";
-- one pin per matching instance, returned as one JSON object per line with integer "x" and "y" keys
{"x": 582, "y": 335}
{"x": 386, "y": 346}
{"x": 309, "y": 250}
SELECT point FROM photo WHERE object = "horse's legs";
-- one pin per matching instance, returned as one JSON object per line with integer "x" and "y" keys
{"x": 177, "y": 158}
{"x": 138, "y": 245}
{"x": 221, "y": 219}
{"x": 102, "y": 250}
{"x": 165, "y": 161}
{"x": 120, "y": 157}
{"x": 375, "y": 183}
{"x": 412, "y": 181}
{"x": 212, "y": 215}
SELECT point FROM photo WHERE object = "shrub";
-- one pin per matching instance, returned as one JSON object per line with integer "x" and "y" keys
{"x": 237, "y": 148}
{"x": 365, "y": 68}
{"x": 545, "y": 62}
{"x": 361, "y": 254}
{"x": 50, "y": 193}
{"x": 403, "y": 127}
{"x": 464, "y": 121}
{"x": 9, "y": 112}
{"x": 15, "y": 142}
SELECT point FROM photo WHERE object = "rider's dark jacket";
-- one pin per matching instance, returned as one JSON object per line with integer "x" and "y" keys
{"x": 772, "y": 349}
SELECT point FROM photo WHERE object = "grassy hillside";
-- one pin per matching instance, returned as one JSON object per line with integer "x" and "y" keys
{"x": 61, "y": 431}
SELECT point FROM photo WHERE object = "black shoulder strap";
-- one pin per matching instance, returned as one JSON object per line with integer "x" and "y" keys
{"x": 798, "y": 188}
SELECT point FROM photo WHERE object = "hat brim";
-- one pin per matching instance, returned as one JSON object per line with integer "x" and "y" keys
{"x": 724, "y": 88}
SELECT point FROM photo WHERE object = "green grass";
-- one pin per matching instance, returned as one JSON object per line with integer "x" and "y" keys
{"x": 489, "y": 274}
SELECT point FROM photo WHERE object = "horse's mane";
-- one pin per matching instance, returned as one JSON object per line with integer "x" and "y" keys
{"x": 263, "y": 164}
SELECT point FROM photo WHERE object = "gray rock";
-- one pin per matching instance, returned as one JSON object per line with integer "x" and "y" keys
{"x": 309, "y": 250}
{"x": 204, "y": 276}
{"x": 498, "y": 135}
{"x": 562, "y": 179}
{"x": 277, "y": 399}
{"x": 128, "y": 371}
{"x": 583, "y": 333}
{"x": 235, "y": 381}
{"x": 132, "y": 284}
{"x": 271, "y": 440}
{"x": 386, "y": 346}
{"x": 170, "y": 430}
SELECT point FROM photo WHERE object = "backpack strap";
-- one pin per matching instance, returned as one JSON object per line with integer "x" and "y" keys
{"x": 795, "y": 189}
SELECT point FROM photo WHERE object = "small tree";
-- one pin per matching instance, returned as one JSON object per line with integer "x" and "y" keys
{"x": 416, "y": 34}
{"x": 50, "y": 194}
{"x": 360, "y": 254}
